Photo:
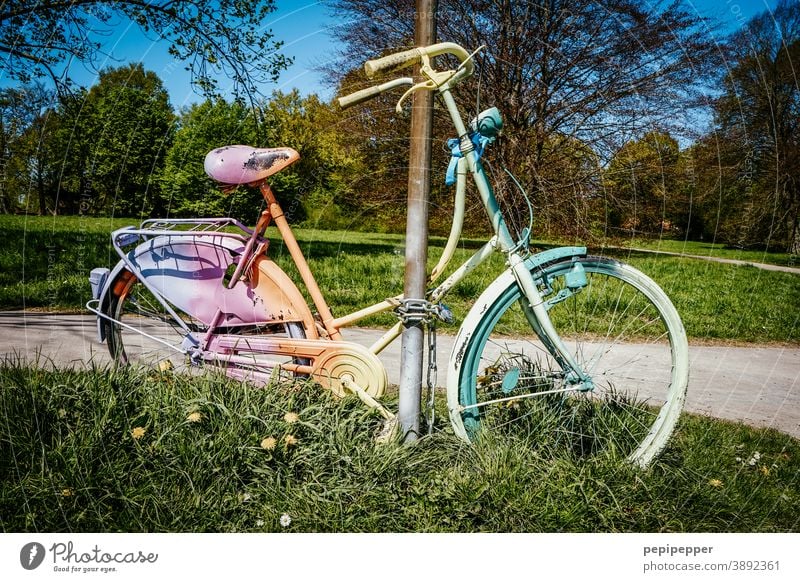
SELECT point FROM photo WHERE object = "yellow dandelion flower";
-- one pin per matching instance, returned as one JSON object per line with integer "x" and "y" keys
{"x": 291, "y": 417}
{"x": 137, "y": 433}
{"x": 764, "y": 470}
{"x": 269, "y": 443}
{"x": 67, "y": 492}
{"x": 290, "y": 440}
{"x": 194, "y": 417}
{"x": 715, "y": 483}
{"x": 165, "y": 366}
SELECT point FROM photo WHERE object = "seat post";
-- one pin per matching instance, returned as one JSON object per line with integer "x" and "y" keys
{"x": 299, "y": 260}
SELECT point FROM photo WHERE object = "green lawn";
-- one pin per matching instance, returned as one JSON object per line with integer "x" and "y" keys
{"x": 103, "y": 451}
{"x": 45, "y": 261}
{"x": 45, "y": 264}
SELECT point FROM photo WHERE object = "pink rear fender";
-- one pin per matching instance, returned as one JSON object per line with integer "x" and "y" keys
{"x": 280, "y": 297}
{"x": 189, "y": 272}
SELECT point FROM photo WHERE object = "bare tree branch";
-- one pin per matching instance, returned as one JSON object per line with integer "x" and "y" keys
{"x": 216, "y": 37}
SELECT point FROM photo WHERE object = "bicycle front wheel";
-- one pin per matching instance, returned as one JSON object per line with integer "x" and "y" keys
{"x": 621, "y": 329}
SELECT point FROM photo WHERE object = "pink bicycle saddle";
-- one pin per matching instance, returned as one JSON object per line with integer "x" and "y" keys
{"x": 240, "y": 164}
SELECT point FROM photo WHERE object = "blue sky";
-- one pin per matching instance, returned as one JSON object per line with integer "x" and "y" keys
{"x": 304, "y": 26}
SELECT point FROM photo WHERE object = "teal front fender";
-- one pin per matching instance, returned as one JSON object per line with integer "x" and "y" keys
{"x": 474, "y": 320}
{"x": 551, "y": 256}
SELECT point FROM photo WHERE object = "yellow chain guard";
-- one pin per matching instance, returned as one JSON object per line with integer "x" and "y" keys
{"x": 331, "y": 360}
{"x": 361, "y": 365}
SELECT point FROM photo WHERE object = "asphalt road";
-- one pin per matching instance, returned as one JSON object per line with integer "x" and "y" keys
{"x": 758, "y": 385}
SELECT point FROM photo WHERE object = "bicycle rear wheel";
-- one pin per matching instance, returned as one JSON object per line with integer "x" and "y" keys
{"x": 144, "y": 334}
{"x": 621, "y": 329}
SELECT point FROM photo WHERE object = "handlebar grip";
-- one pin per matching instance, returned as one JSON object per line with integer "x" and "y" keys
{"x": 405, "y": 58}
{"x": 359, "y": 97}
{"x": 370, "y": 92}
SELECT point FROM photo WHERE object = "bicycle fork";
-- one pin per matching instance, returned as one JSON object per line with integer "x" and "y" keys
{"x": 534, "y": 306}
{"x": 535, "y": 309}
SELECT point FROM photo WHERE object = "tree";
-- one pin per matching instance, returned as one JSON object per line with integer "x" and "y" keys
{"x": 640, "y": 183}
{"x": 14, "y": 120}
{"x": 315, "y": 186}
{"x": 376, "y": 138}
{"x": 130, "y": 125}
{"x": 595, "y": 71}
{"x": 318, "y": 186}
{"x": 27, "y": 124}
{"x": 186, "y": 189}
{"x": 757, "y": 135}
{"x": 216, "y": 37}
{"x": 100, "y": 150}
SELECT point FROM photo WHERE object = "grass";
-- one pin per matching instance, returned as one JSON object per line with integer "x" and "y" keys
{"x": 47, "y": 262}
{"x": 108, "y": 451}
{"x": 719, "y": 302}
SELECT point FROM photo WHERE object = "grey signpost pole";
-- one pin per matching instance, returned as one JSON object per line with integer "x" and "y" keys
{"x": 417, "y": 231}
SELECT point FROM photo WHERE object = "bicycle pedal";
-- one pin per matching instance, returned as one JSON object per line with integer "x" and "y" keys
{"x": 389, "y": 431}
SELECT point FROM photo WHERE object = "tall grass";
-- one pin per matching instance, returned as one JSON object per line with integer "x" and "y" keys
{"x": 122, "y": 450}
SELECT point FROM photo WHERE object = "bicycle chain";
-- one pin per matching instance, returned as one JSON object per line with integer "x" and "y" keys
{"x": 413, "y": 312}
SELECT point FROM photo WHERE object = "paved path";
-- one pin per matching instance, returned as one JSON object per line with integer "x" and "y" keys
{"x": 764, "y": 266}
{"x": 757, "y": 385}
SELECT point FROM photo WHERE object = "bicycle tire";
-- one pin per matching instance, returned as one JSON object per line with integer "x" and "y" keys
{"x": 131, "y": 303}
{"x": 620, "y": 327}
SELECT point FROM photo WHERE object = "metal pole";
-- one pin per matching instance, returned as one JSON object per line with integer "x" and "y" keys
{"x": 417, "y": 231}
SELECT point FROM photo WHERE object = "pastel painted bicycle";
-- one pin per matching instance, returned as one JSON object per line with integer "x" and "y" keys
{"x": 603, "y": 364}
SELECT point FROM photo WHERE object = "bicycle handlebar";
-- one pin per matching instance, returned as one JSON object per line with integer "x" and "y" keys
{"x": 407, "y": 59}
{"x": 370, "y": 92}
{"x": 389, "y": 62}
{"x": 410, "y": 57}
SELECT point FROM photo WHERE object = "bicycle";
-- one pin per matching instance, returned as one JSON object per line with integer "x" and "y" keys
{"x": 602, "y": 368}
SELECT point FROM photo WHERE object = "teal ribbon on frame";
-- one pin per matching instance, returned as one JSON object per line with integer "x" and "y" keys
{"x": 454, "y": 144}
